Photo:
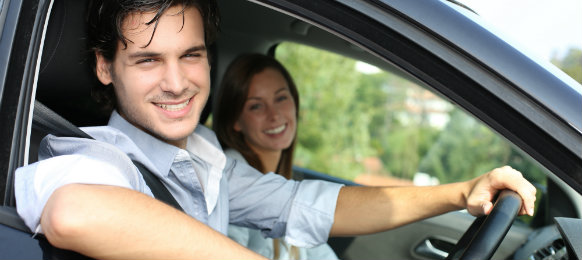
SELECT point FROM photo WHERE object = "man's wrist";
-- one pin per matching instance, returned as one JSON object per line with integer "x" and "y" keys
{"x": 462, "y": 191}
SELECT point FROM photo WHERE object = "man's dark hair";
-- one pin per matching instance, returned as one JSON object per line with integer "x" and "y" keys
{"x": 105, "y": 19}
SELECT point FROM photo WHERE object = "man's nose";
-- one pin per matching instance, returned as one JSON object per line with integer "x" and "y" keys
{"x": 174, "y": 79}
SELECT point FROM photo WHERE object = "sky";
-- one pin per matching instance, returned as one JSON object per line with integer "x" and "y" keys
{"x": 546, "y": 28}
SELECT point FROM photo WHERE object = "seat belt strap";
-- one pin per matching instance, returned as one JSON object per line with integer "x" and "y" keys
{"x": 47, "y": 121}
{"x": 157, "y": 187}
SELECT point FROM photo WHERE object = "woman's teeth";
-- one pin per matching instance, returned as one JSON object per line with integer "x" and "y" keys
{"x": 275, "y": 130}
{"x": 175, "y": 107}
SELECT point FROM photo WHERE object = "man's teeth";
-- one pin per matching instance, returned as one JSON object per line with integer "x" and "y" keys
{"x": 275, "y": 130}
{"x": 175, "y": 107}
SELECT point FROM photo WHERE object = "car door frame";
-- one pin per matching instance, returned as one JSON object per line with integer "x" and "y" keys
{"x": 472, "y": 78}
{"x": 22, "y": 38}
{"x": 25, "y": 23}
{"x": 399, "y": 33}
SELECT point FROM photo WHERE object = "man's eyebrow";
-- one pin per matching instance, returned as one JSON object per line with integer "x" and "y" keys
{"x": 201, "y": 47}
{"x": 143, "y": 54}
{"x": 148, "y": 54}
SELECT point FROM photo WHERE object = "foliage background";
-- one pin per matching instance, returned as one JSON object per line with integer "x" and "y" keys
{"x": 347, "y": 116}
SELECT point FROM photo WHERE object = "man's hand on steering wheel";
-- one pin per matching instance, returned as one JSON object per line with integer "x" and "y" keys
{"x": 484, "y": 188}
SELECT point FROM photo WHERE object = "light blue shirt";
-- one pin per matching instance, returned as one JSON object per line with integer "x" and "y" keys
{"x": 208, "y": 185}
{"x": 254, "y": 240}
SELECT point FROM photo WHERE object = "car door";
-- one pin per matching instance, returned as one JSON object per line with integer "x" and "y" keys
{"x": 21, "y": 28}
{"x": 387, "y": 130}
{"x": 493, "y": 98}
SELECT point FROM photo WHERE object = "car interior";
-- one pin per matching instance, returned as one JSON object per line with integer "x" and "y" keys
{"x": 65, "y": 79}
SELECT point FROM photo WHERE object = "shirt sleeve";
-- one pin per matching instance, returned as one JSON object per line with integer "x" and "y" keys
{"x": 69, "y": 161}
{"x": 321, "y": 252}
{"x": 303, "y": 211}
{"x": 239, "y": 234}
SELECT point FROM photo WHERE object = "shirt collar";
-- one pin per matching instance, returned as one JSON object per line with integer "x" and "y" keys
{"x": 159, "y": 153}
{"x": 202, "y": 144}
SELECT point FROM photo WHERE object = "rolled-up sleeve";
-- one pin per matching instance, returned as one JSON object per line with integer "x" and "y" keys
{"x": 303, "y": 211}
{"x": 35, "y": 183}
{"x": 312, "y": 213}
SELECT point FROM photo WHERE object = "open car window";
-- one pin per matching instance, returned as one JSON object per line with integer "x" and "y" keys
{"x": 376, "y": 127}
{"x": 372, "y": 126}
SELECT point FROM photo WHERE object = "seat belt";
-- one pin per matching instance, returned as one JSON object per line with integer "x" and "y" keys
{"x": 47, "y": 121}
{"x": 157, "y": 187}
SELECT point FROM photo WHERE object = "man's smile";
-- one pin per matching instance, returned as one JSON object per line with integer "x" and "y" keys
{"x": 173, "y": 107}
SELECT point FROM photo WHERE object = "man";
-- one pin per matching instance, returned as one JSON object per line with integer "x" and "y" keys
{"x": 88, "y": 196}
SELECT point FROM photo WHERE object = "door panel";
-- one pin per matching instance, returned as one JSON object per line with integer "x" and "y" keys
{"x": 16, "y": 243}
{"x": 405, "y": 242}
{"x": 431, "y": 238}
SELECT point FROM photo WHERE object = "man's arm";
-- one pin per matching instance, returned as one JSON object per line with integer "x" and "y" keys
{"x": 118, "y": 223}
{"x": 364, "y": 210}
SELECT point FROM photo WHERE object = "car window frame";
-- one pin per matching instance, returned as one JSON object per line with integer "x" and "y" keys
{"x": 471, "y": 91}
{"x": 3, "y": 6}
{"x": 24, "y": 29}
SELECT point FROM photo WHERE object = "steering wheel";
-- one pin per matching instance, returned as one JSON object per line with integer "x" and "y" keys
{"x": 483, "y": 237}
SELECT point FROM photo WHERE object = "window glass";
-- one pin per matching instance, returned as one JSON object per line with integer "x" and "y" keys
{"x": 361, "y": 123}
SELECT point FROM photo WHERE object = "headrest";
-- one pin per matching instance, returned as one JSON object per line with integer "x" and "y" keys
{"x": 65, "y": 77}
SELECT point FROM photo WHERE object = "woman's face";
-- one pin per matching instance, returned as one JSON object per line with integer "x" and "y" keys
{"x": 268, "y": 122}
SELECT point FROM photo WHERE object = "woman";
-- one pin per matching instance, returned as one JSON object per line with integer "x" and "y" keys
{"x": 256, "y": 122}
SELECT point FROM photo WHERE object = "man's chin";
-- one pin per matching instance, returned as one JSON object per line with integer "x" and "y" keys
{"x": 176, "y": 136}
{"x": 175, "y": 140}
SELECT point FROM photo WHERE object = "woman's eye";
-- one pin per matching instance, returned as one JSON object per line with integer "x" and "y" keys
{"x": 282, "y": 98}
{"x": 255, "y": 106}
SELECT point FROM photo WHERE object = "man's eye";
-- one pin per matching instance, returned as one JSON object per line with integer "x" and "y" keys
{"x": 192, "y": 55}
{"x": 145, "y": 61}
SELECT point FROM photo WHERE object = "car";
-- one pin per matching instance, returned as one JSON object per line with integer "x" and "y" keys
{"x": 440, "y": 69}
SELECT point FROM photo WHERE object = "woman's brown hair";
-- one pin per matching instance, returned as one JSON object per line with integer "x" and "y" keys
{"x": 230, "y": 101}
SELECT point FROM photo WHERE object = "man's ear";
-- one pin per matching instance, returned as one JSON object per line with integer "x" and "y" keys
{"x": 102, "y": 69}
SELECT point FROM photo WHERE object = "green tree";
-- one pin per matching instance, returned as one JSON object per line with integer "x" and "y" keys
{"x": 571, "y": 63}
{"x": 330, "y": 138}
{"x": 466, "y": 148}
{"x": 347, "y": 115}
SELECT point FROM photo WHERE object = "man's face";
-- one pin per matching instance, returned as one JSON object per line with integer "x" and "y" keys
{"x": 161, "y": 88}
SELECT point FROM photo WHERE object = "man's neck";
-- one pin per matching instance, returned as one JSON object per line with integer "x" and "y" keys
{"x": 180, "y": 143}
